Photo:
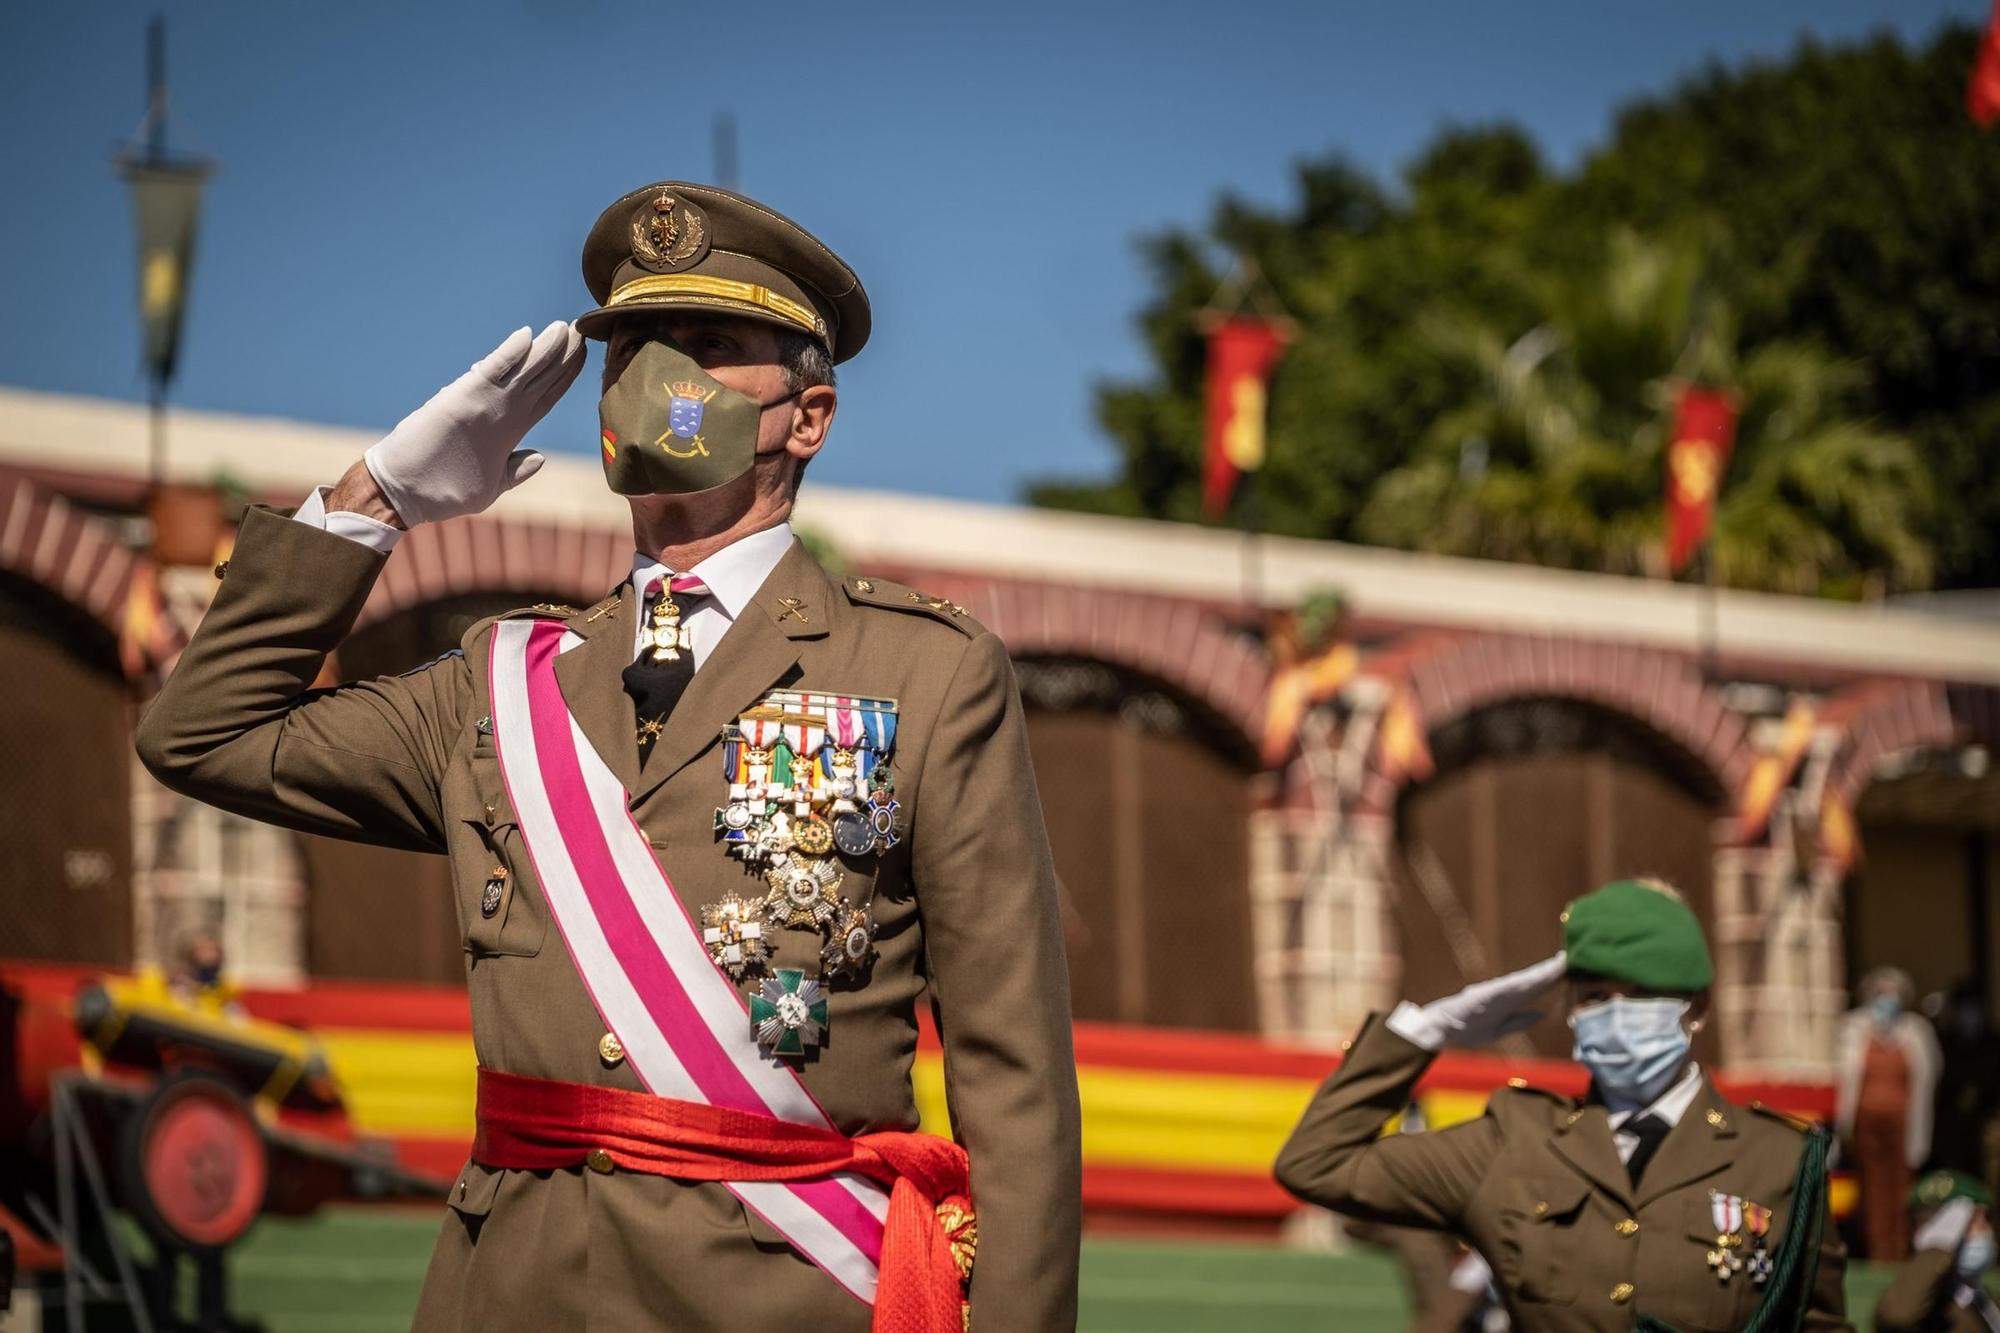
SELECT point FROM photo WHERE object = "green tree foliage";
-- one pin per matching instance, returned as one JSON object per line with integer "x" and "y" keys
{"x": 1483, "y": 354}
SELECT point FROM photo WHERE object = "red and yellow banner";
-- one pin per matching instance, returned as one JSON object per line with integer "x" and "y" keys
{"x": 1982, "y": 90}
{"x": 1178, "y": 1126}
{"x": 1704, "y": 432}
{"x": 1242, "y": 350}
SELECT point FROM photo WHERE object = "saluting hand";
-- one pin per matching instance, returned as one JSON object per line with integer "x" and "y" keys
{"x": 1947, "y": 1227}
{"x": 1483, "y": 1012}
{"x": 457, "y": 453}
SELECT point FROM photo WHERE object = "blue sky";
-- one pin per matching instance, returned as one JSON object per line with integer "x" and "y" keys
{"x": 403, "y": 183}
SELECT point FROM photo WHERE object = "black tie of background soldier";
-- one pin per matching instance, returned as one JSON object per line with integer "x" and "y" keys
{"x": 657, "y": 683}
{"x": 1650, "y": 1130}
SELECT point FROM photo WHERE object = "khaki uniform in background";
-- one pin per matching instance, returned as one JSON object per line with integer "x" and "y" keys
{"x": 966, "y": 905}
{"x": 1922, "y": 1299}
{"x": 1536, "y": 1186}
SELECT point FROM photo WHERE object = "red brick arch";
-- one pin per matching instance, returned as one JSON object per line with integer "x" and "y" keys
{"x": 48, "y": 541}
{"x": 1185, "y": 644}
{"x": 1880, "y": 718}
{"x": 1453, "y": 676}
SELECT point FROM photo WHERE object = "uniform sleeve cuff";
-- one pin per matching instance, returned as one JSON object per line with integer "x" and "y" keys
{"x": 372, "y": 533}
{"x": 1418, "y": 1028}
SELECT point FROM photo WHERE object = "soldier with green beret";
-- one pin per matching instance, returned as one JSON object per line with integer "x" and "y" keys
{"x": 716, "y": 841}
{"x": 1652, "y": 1201}
{"x": 1941, "y": 1287}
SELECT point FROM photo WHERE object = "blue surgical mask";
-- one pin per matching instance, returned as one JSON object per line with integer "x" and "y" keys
{"x": 1975, "y": 1253}
{"x": 1632, "y": 1046}
{"x": 1885, "y": 1008}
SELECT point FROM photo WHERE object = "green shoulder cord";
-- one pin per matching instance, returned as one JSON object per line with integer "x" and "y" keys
{"x": 1796, "y": 1264}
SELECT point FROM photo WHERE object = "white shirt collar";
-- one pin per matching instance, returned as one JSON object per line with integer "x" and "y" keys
{"x": 1670, "y": 1105}
{"x": 733, "y": 574}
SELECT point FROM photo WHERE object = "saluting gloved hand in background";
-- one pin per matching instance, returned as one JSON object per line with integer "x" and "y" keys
{"x": 1482, "y": 1013}
{"x": 1947, "y": 1227}
{"x": 458, "y": 453}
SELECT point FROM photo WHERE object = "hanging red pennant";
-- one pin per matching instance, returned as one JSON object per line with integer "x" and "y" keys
{"x": 1982, "y": 90}
{"x": 1242, "y": 349}
{"x": 1704, "y": 431}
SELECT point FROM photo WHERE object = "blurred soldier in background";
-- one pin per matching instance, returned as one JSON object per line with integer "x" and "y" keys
{"x": 1941, "y": 1288}
{"x": 1653, "y": 1196}
{"x": 1889, "y": 1064}
{"x": 1966, "y": 1133}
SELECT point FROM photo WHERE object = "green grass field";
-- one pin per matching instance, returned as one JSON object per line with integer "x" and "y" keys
{"x": 354, "y": 1270}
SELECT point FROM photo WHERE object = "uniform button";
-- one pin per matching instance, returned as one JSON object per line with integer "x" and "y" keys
{"x": 1542, "y": 1208}
{"x": 222, "y": 569}
{"x": 599, "y": 1161}
{"x": 1517, "y": 1083}
{"x": 1626, "y": 1227}
{"x": 461, "y": 1189}
{"x": 610, "y": 1049}
{"x": 1621, "y": 1293}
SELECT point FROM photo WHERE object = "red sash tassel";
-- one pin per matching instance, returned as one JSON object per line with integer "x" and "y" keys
{"x": 537, "y": 1124}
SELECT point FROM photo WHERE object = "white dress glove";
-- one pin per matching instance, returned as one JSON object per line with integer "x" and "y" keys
{"x": 1482, "y": 1013}
{"x": 1946, "y": 1228}
{"x": 456, "y": 454}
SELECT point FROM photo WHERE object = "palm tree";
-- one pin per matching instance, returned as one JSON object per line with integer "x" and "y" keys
{"x": 1560, "y": 460}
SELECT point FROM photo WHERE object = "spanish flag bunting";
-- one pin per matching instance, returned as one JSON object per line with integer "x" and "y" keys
{"x": 1773, "y": 771}
{"x": 1295, "y": 690}
{"x": 145, "y": 636}
{"x": 1405, "y": 754}
{"x": 1839, "y": 840}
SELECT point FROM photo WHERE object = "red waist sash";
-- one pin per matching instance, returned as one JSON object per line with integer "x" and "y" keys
{"x": 538, "y": 1124}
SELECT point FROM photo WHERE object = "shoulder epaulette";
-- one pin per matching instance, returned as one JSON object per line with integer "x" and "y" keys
{"x": 540, "y": 610}
{"x": 895, "y": 597}
{"x": 1522, "y": 1087}
{"x": 1784, "y": 1118}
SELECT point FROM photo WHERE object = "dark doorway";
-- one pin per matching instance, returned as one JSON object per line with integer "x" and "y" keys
{"x": 1145, "y": 794}
{"x": 65, "y": 784}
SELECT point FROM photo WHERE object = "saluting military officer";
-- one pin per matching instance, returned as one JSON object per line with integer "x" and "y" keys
{"x": 714, "y": 839}
{"x": 1653, "y": 1198}
{"x": 1941, "y": 1287}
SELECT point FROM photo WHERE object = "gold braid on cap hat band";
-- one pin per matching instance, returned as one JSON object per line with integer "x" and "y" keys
{"x": 721, "y": 290}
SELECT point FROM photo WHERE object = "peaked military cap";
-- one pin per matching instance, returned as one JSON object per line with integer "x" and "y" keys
{"x": 679, "y": 245}
{"x": 1638, "y": 931}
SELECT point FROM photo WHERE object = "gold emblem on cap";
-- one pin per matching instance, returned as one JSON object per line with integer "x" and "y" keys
{"x": 668, "y": 233}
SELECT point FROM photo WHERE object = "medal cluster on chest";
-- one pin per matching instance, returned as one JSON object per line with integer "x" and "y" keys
{"x": 809, "y": 782}
{"x": 1741, "y": 1228}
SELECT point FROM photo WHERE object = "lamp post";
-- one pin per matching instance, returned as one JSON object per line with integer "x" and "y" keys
{"x": 166, "y": 200}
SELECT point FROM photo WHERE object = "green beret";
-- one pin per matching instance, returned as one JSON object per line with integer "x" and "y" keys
{"x": 1637, "y": 932}
{"x": 676, "y": 244}
{"x": 1940, "y": 1187}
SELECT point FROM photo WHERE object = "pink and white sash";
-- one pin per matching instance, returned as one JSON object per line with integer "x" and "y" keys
{"x": 685, "y": 1028}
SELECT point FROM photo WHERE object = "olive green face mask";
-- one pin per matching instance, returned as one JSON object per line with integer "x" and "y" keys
{"x": 669, "y": 428}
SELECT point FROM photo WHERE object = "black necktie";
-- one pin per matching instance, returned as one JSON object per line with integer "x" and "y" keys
{"x": 659, "y": 676}
{"x": 1650, "y": 1129}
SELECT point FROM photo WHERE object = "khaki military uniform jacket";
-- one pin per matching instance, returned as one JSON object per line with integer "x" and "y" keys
{"x": 1928, "y": 1297}
{"x": 966, "y": 904}
{"x": 1535, "y": 1185}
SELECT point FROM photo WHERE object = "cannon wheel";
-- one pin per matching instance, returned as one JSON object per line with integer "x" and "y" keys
{"x": 194, "y": 1164}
